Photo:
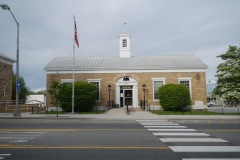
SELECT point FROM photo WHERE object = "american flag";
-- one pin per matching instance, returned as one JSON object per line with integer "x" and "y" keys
{"x": 75, "y": 33}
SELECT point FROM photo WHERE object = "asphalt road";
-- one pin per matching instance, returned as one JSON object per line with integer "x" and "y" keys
{"x": 91, "y": 139}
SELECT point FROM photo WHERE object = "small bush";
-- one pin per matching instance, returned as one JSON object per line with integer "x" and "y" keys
{"x": 173, "y": 97}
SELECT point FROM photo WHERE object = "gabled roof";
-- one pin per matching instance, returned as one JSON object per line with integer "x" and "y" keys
{"x": 6, "y": 59}
{"x": 183, "y": 62}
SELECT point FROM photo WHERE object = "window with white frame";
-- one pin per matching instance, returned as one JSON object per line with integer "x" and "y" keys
{"x": 4, "y": 88}
{"x": 66, "y": 81}
{"x": 187, "y": 83}
{"x": 96, "y": 82}
{"x": 157, "y": 83}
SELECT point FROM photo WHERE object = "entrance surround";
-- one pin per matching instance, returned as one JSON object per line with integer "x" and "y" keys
{"x": 127, "y": 81}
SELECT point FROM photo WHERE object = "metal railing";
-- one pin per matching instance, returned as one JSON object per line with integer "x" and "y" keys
{"x": 127, "y": 109}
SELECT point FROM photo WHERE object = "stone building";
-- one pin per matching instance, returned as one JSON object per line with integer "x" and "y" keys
{"x": 127, "y": 75}
{"x": 6, "y": 70}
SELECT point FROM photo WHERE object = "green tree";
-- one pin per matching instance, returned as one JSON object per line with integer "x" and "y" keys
{"x": 84, "y": 97}
{"x": 24, "y": 90}
{"x": 173, "y": 97}
{"x": 54, "y": 92}
{"x": 228, "y": 74}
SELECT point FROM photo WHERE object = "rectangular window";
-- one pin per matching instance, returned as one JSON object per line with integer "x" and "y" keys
{"x": 157, "y": 83}
{"x": 66, "y": 81}
{"x": 97, "y": 84}
{"x": 4, "y": 71}
{"x": 187, "y": 83}
{"x": 124, "y": 42}
{"x": 4, "y": 89}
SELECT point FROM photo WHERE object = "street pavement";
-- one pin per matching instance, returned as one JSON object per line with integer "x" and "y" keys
{"x": 119, "y": 113}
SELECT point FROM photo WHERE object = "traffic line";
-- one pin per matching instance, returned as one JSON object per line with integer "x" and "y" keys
{"x": 180, "y": 134}
{"x": 221, "y": 130}
{"x": 165, "y": 127}
{"x": 205, "y": 148}
{"x": 82, "y": 147}
{"x": 173, "y": 130}
{"x": 2, "y": 156}
{"x": 192, "y": 140}
{"x": 10, "y": 138}
{"x": 5, "y": 154}
{"x": 211, "y": 159}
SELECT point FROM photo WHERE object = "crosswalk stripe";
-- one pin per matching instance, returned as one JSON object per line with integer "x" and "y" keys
{"x": 205, "y": 148}
{"x": 152, "y": 120}
{"x": 174, "y": 130}
{"x": 2, "y": 155}
{"x": 160, "y": 124}
{"x": 192, "y": 140}
{"x": 180, "y": 134}
{"x": 165, "y": 126}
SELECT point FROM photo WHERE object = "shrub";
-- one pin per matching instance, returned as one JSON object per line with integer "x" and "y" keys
{"x": 84, "y": 96}
{"x": 173, "y": 97}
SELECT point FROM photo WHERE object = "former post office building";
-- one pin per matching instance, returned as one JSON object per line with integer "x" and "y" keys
{"x": 127, "y": 74}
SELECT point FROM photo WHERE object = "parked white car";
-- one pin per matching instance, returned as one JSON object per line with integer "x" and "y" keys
{"x": 210, "y": 104}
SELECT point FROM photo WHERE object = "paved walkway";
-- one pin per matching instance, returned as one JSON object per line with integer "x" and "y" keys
{"x": 118, "y": 113}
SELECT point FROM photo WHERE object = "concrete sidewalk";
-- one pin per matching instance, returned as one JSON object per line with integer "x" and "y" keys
{"x": 118, "y": 113}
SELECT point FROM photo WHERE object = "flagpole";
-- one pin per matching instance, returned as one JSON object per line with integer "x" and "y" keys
{"x": 73, "y": 74}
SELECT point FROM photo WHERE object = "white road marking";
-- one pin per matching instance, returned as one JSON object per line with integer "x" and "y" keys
{"x": 160, "y": 124}
{"x": 205, "y": 148}
{"x": 2, "y": 155}
{"x": 152, "y": 120}
{"x": 165, "y": 127}
{"x": 180, "y": 134}
{"x": 18, "y": 141}
{"x": 192, "y": 140}
{"x": 173, "y": 130}
{"x": 4, "y": 138}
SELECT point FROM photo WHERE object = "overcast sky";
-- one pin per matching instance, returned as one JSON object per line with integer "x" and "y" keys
{"x": 204, "y": 28}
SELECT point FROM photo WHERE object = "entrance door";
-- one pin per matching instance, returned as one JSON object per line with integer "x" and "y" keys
{"x": 128, "y": 97}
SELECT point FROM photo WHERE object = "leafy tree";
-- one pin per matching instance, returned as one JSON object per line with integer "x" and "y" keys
{"x": 84, "y": 97}
{"x": 37, "y": 92}
{"x": 24, "y": 90}
{"x": 54, "y": 92}
{"x": 228, "y": 74}
{"x": 173, "y": 97}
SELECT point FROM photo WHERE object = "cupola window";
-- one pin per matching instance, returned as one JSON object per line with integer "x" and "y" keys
{"x": 124, "y": 42}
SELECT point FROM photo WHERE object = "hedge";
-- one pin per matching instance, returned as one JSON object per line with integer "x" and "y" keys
{"x": 174, "y": 97}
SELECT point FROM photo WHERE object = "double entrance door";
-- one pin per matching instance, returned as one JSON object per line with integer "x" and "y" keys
{"x": 126, "y": 96}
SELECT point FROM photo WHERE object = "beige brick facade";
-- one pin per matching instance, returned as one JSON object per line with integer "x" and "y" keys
{"x": 197, "y": 81}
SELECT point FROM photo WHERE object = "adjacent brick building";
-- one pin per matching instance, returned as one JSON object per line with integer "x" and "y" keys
{"x": 126, "y": 74}
{"x": 6, "y": 70}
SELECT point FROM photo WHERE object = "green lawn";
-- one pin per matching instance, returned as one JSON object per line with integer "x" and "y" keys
{"x": 60, "y": 112}
{"x": 194, "y": 112}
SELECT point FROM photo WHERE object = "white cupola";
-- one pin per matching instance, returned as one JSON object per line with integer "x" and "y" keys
{"x": 124, "y": 44}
